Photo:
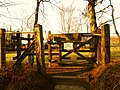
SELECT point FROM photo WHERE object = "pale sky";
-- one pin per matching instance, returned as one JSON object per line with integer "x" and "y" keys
{"x": 27, "y": 7}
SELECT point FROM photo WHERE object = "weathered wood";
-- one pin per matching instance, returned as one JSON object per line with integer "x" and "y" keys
{"x": 60, "y": 53}
{"x": 39, "y": 47}
{"x": 23, "y": 56}
{"x": 46, "y": 53}
{"x": 30, "y": 57}
{"x": 83, "y": 43}
{"x": 91, "y": 50}
{"x": 18, "y": 45}
{"x": 105, "y": 44}
{"x": 49, "y": 47}
{"x": 23, "y": 38}
{"x": 60, "y": 39}
{"x": 72, "y": 36}
{"x": 2, "y": 49}
{"x": 18, "y": 32}
{"x": 99, "y": 49}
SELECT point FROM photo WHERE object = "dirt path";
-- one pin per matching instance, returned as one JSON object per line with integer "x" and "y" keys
{"x": 69, "y": 87}
{"x": 71, "y": 82}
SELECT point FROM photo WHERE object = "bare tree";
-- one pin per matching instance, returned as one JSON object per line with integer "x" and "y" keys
{"x": 92, "y": 15}
{"x": 62, "y": 16}
{"x": 69, "y": 22}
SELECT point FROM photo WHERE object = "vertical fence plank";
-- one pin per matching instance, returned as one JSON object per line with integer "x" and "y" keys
{"x": 32, "y": 51}
{"x": 29, "y": 56}
{"x": 39, "y": 47}
{"x": 60, "y": 53}
{"x": 0, "y": 46}
{"x": 49, "y": 46}
{"x": 18, "y": 44}
{"x": 99, "y": 48}
{"x": 3, "y": 48}
{"x": 105, "y": 44}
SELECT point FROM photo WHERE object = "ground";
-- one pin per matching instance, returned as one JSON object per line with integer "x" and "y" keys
{"x": 100, "y": 78}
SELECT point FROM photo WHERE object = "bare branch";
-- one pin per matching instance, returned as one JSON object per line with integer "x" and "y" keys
{"x": 113, "y": 20}
{"x": 108, "y": 21}
{"x": 29, "y": 18}
{"x": 6, "y": 4}
{"x": 103, "y": 10}
{"x": 100, "y": 2}
{"x": 57, "y": 1}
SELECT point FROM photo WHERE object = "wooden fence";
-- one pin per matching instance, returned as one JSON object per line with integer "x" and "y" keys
{"x": 14, "y": 36}
{"x": 19, "y": 40}
{"x": 98, "y": 43}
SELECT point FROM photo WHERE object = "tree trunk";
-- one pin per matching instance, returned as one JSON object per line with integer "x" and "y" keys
{"x": 92, "y": 16}
{"x": 37, "y": 11}
{"x": 93, "y": 24}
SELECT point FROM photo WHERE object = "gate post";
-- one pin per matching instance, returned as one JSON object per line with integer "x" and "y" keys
{"x": 105, "y": 44}
{"x": 49, "y": 46}
{"x": 2, "y": 49}
{"x": 39, "y": 48}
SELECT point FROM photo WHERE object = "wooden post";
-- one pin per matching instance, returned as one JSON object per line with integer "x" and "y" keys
{"x": 60, "y": 53}
{"x": 49, "y": 47}
{"x": 39, "y": 48}
{"x": 2, "y": 49}
{"x": 32, "y": 51}
{"x": 99, "y": 48}
{"x": 105, "y": 44}
{"x": 18, "y": 44}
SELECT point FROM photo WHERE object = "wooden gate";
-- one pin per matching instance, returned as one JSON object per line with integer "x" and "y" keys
{"x": 78, "y": 48}
{"x": 82, "y": 45}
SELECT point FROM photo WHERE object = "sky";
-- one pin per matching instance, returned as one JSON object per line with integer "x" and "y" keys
{"x": 13, "y": 15}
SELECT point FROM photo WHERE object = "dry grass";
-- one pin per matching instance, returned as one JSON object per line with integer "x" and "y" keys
{"x": 24, "y": 78}
{"x": 108, "y": 78}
